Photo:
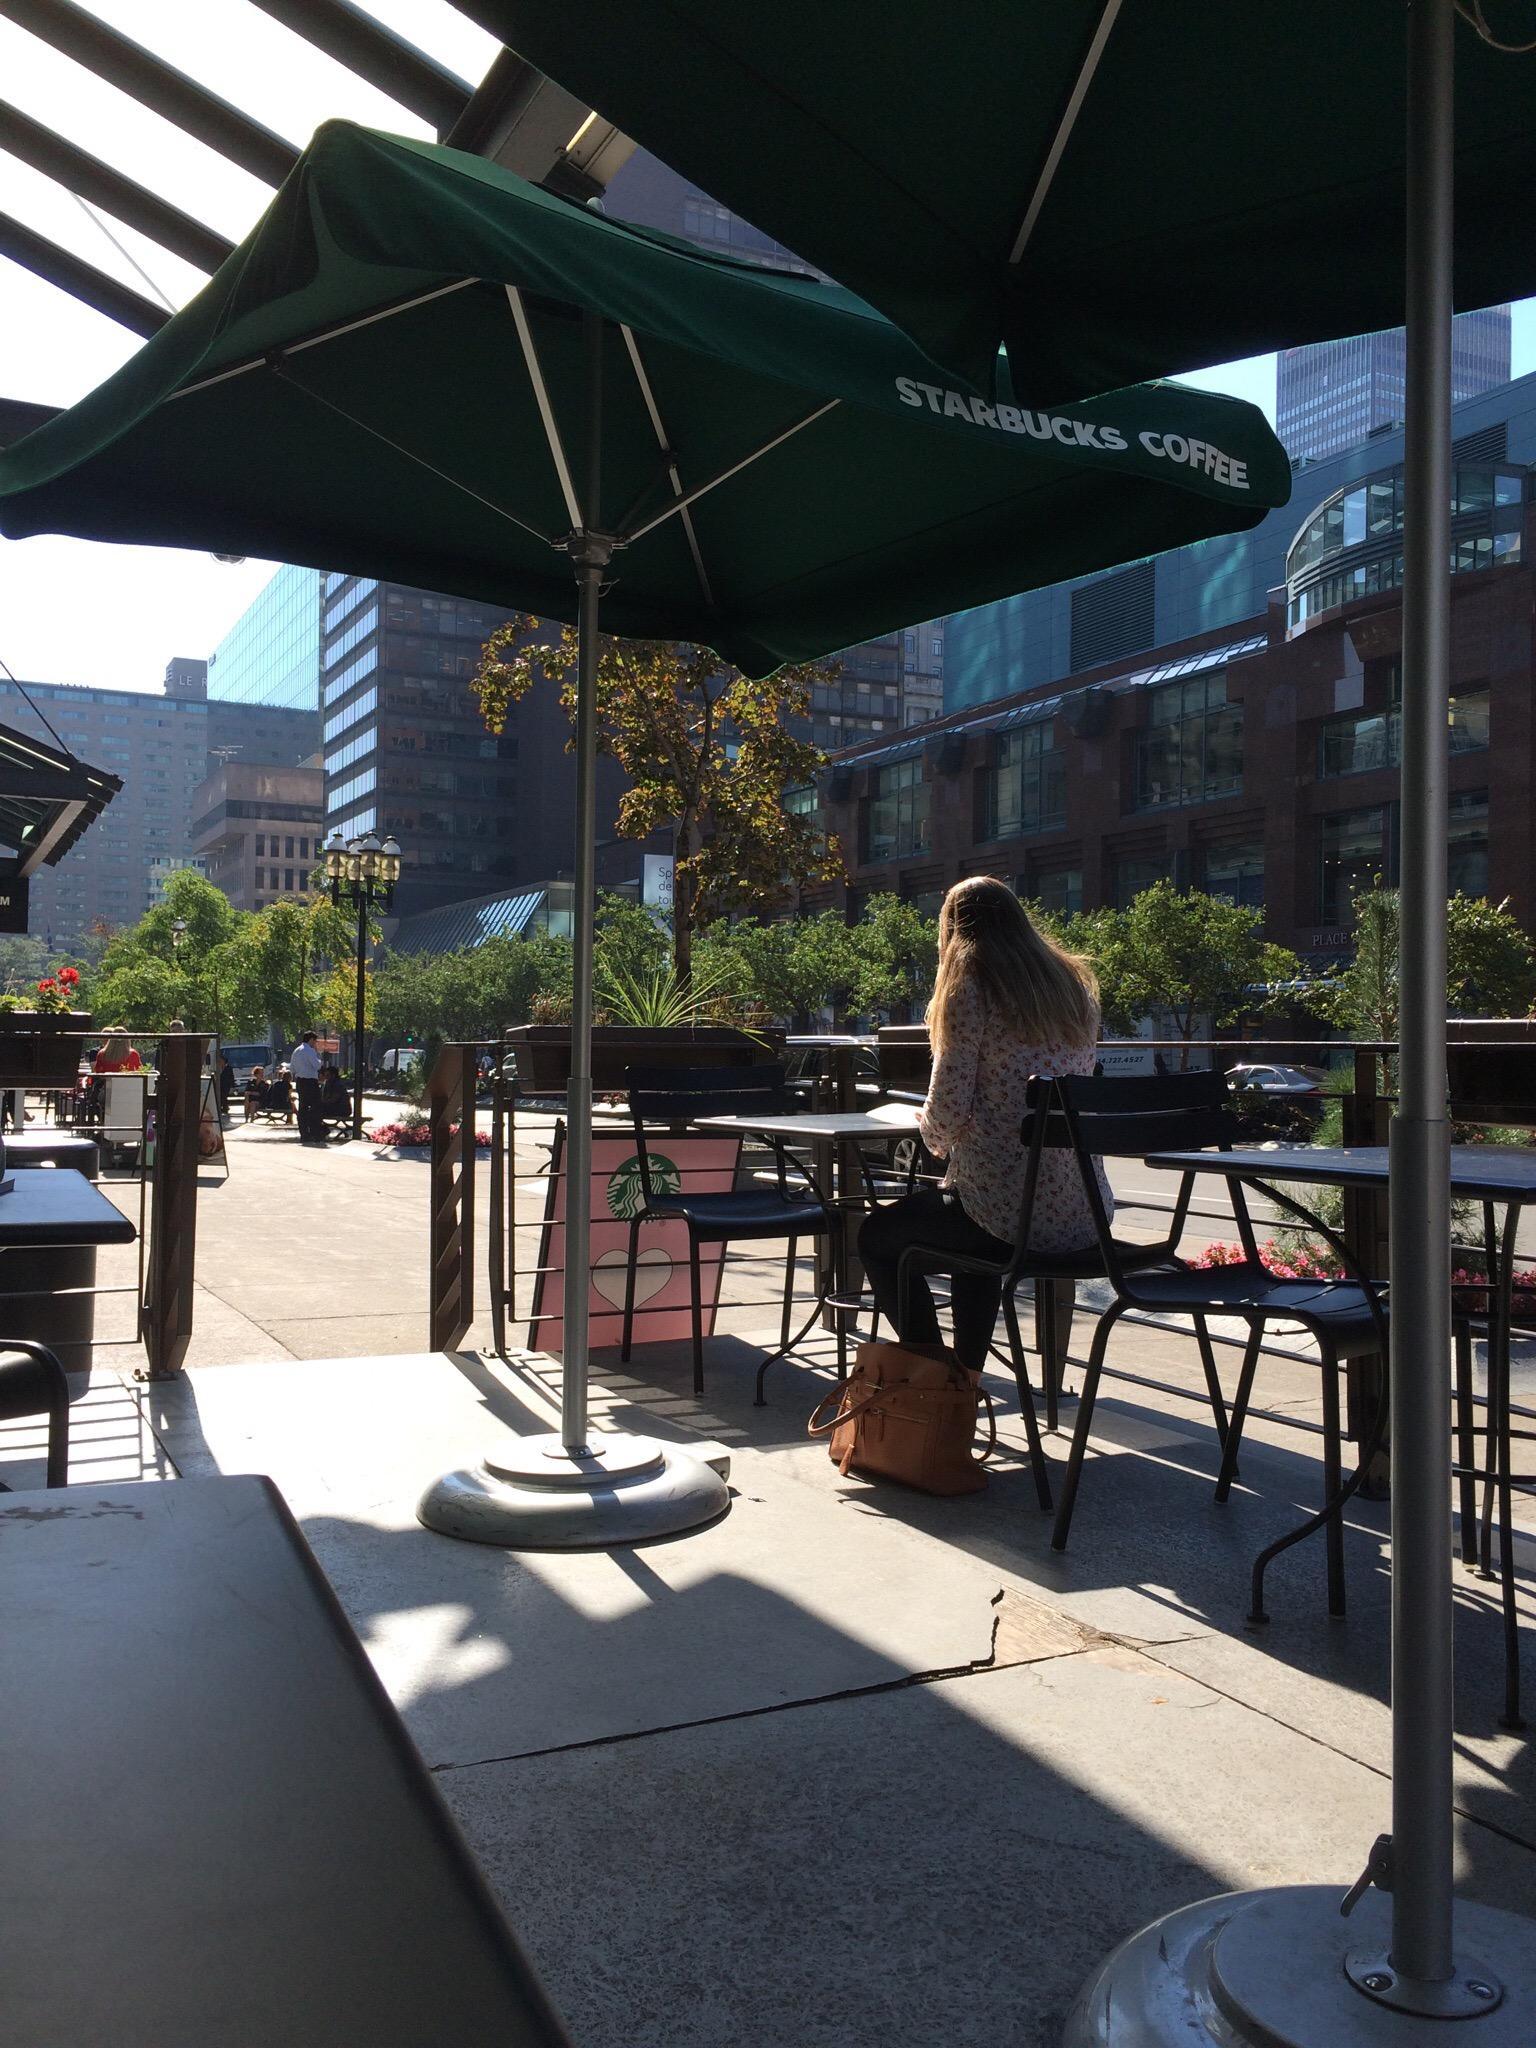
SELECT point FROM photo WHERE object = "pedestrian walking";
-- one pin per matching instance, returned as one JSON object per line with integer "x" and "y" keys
{"x": 304, "y": 1063}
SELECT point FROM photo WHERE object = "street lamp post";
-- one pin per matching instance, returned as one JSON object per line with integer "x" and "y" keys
{"x": 361, "y": 874}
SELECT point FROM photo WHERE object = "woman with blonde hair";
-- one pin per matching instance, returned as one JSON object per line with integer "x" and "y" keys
{"x": 1008, "y": 1003}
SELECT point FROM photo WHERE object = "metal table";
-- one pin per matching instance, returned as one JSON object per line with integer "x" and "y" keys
{"x": 53, "y": 1148}
{"x": 216, "y": 1829}
{"x": 57, "y": 1218}
{"x": 1498, "y": 1178}
{"x": 835, "y": 1136}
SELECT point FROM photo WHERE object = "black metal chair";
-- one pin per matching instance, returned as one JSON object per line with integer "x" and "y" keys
{"x": 676, "y": 1098}
{"x": 1041, "y": 1129}
{"x": 32, "y": 1382}
{"x": 1127, "y": 1118}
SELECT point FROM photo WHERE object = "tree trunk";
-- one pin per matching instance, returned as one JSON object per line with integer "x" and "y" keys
{"x": 684, "y": 901}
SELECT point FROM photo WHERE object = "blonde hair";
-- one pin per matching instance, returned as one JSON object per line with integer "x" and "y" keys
{"x": 1033, "y": 985}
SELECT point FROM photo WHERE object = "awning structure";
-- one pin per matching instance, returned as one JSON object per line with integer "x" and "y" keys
{"x": 458, "y": 926}
{"x": 1036, "y": 709}
{"x": 48, "y": 799}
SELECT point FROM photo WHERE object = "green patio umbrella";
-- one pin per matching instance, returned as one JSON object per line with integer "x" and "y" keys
{"x": 1118, "y": 189}
{"x": 419, "y": 367}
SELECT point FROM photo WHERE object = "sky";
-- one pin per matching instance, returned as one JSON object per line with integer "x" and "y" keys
{"x": 83, "y": 612}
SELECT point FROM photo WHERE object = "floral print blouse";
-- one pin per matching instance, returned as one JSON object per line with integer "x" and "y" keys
{"x": 973, "y": 1116}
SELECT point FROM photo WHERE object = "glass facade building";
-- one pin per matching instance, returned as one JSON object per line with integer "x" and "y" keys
{"x": 271, "y": 655}
{"x": 1331, "y": 394}
{"x": 1025, "y": 642}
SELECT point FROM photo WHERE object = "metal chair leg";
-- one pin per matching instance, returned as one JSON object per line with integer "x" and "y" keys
{"x": 1499, "y": 1428}
{"x": 1026, "y": 1399}
{"x": 1333, "y": 1535}
{"x": 629, "y": 1289}
{"x": 1332, "y": 1509}
{"x": 1050, "y": 1359}
{"x": 1233, "y": 1437}
{"x": 697, "y": 1306}
{"x": 1212, "y": 1380}
{"x": 1466, "y": 1444}
{"x": 789, "y": 1293}
{"x": 1085, "y": 1401}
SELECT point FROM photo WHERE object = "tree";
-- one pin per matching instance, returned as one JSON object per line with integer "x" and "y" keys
{"x": 794, "y": 968}
{"x": 150, "y": 974}
{"x": 473, "y": 993}
{"x": 708, "y": 754}
{"x": 1490, "y": 970}
{"x": 1183, "y": 952}
{"x": 897, "y": 949}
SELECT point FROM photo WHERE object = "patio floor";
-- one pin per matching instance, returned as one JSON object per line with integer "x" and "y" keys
{"x": 852, "y": 1765}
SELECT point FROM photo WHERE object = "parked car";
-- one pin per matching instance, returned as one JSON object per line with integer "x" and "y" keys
{"x": 1279, "y": 1098}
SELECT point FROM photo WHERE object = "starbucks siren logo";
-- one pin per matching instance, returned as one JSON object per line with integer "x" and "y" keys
{"x": 626, "y": 1187}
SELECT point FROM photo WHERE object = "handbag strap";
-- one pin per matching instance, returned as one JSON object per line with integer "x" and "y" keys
{"x": 816, "y": 1427}
{"x": 991, "y": 1444}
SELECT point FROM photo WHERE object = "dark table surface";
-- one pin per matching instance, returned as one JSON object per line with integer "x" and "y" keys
{"x": 1492, "y": 1173}
{"x": 215, "y": 1829}
{"x": 60, "y": 1207}
{"x": 26, "y": 1148}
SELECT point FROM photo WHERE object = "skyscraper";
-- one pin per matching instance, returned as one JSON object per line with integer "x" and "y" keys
{"x": 1331, "y": 394}
{"x": 271, "y": 654}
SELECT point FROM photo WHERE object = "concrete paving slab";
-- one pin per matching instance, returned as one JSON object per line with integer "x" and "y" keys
{"x": 935, "y": 1863}
{"x": 491, "y": 1653}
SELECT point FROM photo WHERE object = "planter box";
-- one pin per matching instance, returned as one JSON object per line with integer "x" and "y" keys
{"x": 38, "y": 1050}
{"x": 543, "y": 1052}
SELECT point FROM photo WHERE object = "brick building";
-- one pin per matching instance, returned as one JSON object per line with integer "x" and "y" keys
{"x": 1258, "y": 761}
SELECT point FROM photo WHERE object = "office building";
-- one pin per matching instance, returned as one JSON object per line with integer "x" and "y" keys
{"x": 271, "y": 654}
{"x": 1332, "y": 394}
{"x": 1253, "y": 754}
{"x": 257, "y": 829}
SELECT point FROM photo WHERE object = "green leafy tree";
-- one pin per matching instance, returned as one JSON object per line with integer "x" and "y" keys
{"x": 897, "y": 949}
{"x": 1490, "y": 969}
{"x": 794, "y": 968}
{"x": 149, "y": 974}
{"x": 708, "y": 755}
{"x": 1183, "y": 952}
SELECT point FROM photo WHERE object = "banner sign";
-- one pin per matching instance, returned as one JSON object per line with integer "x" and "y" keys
{"x": 692, "y": 1162}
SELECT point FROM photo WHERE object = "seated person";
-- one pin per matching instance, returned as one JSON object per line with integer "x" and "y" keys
{"x": 117, "y": 1056}
{"x": 278, "y": 1100}
{"x": 255, "y": 1092}
{"x": 335, "y": 1099}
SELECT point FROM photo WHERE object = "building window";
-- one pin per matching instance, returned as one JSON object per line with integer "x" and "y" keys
{"x": 1235, "y": 873}
{"x": 1467, "y": 871}
{"x": 288, "y": 880}
{"x": 1192, "y": 748}
{"x": 801, "y": 803}
{"x": 1360, "y": 741}
{"x": 261, "y": 844}
{"x": 1027, "y": 789}
{"x": 898, "y": 812}
{"x": 1353, "y": 851}
{"x": 1059, "y": 890}
{"x": 1134, "y": 875}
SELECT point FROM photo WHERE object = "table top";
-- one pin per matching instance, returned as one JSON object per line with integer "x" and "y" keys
{"x": 884, "y": 1120}
{"x": 216, "y": 1829}
{"x": 23, "y": 1147}
{"x": 832, "y": 1039}
{"x": 1492, "y": 1173}
{"x": 58, "y": 1206}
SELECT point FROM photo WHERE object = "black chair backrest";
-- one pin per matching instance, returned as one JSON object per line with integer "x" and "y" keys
{"x": 1493, "y": 1084}
{"x": 673, "y": 1095}
{"x": 1125, "y": 1116}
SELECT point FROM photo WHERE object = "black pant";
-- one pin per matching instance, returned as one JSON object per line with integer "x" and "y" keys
{"x": 930, "y": 1217}
{"x": 310, "y": 1122}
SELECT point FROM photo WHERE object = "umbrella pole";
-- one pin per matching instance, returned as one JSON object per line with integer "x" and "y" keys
{"x": 582, "y": 1489}
{"x": 1283, "y": 1966}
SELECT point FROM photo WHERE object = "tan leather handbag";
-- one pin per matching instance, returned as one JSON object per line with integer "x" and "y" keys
{"x": 903, "y": 1415}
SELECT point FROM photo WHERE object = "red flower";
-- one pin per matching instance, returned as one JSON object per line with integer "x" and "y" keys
{"x": 46, "y": 988}
{"x": 68, "y": 977}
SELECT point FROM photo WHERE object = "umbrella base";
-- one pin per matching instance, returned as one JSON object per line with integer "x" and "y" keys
{"x": 539, "y": 1496}
{"x": 1282, "y": 1969}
